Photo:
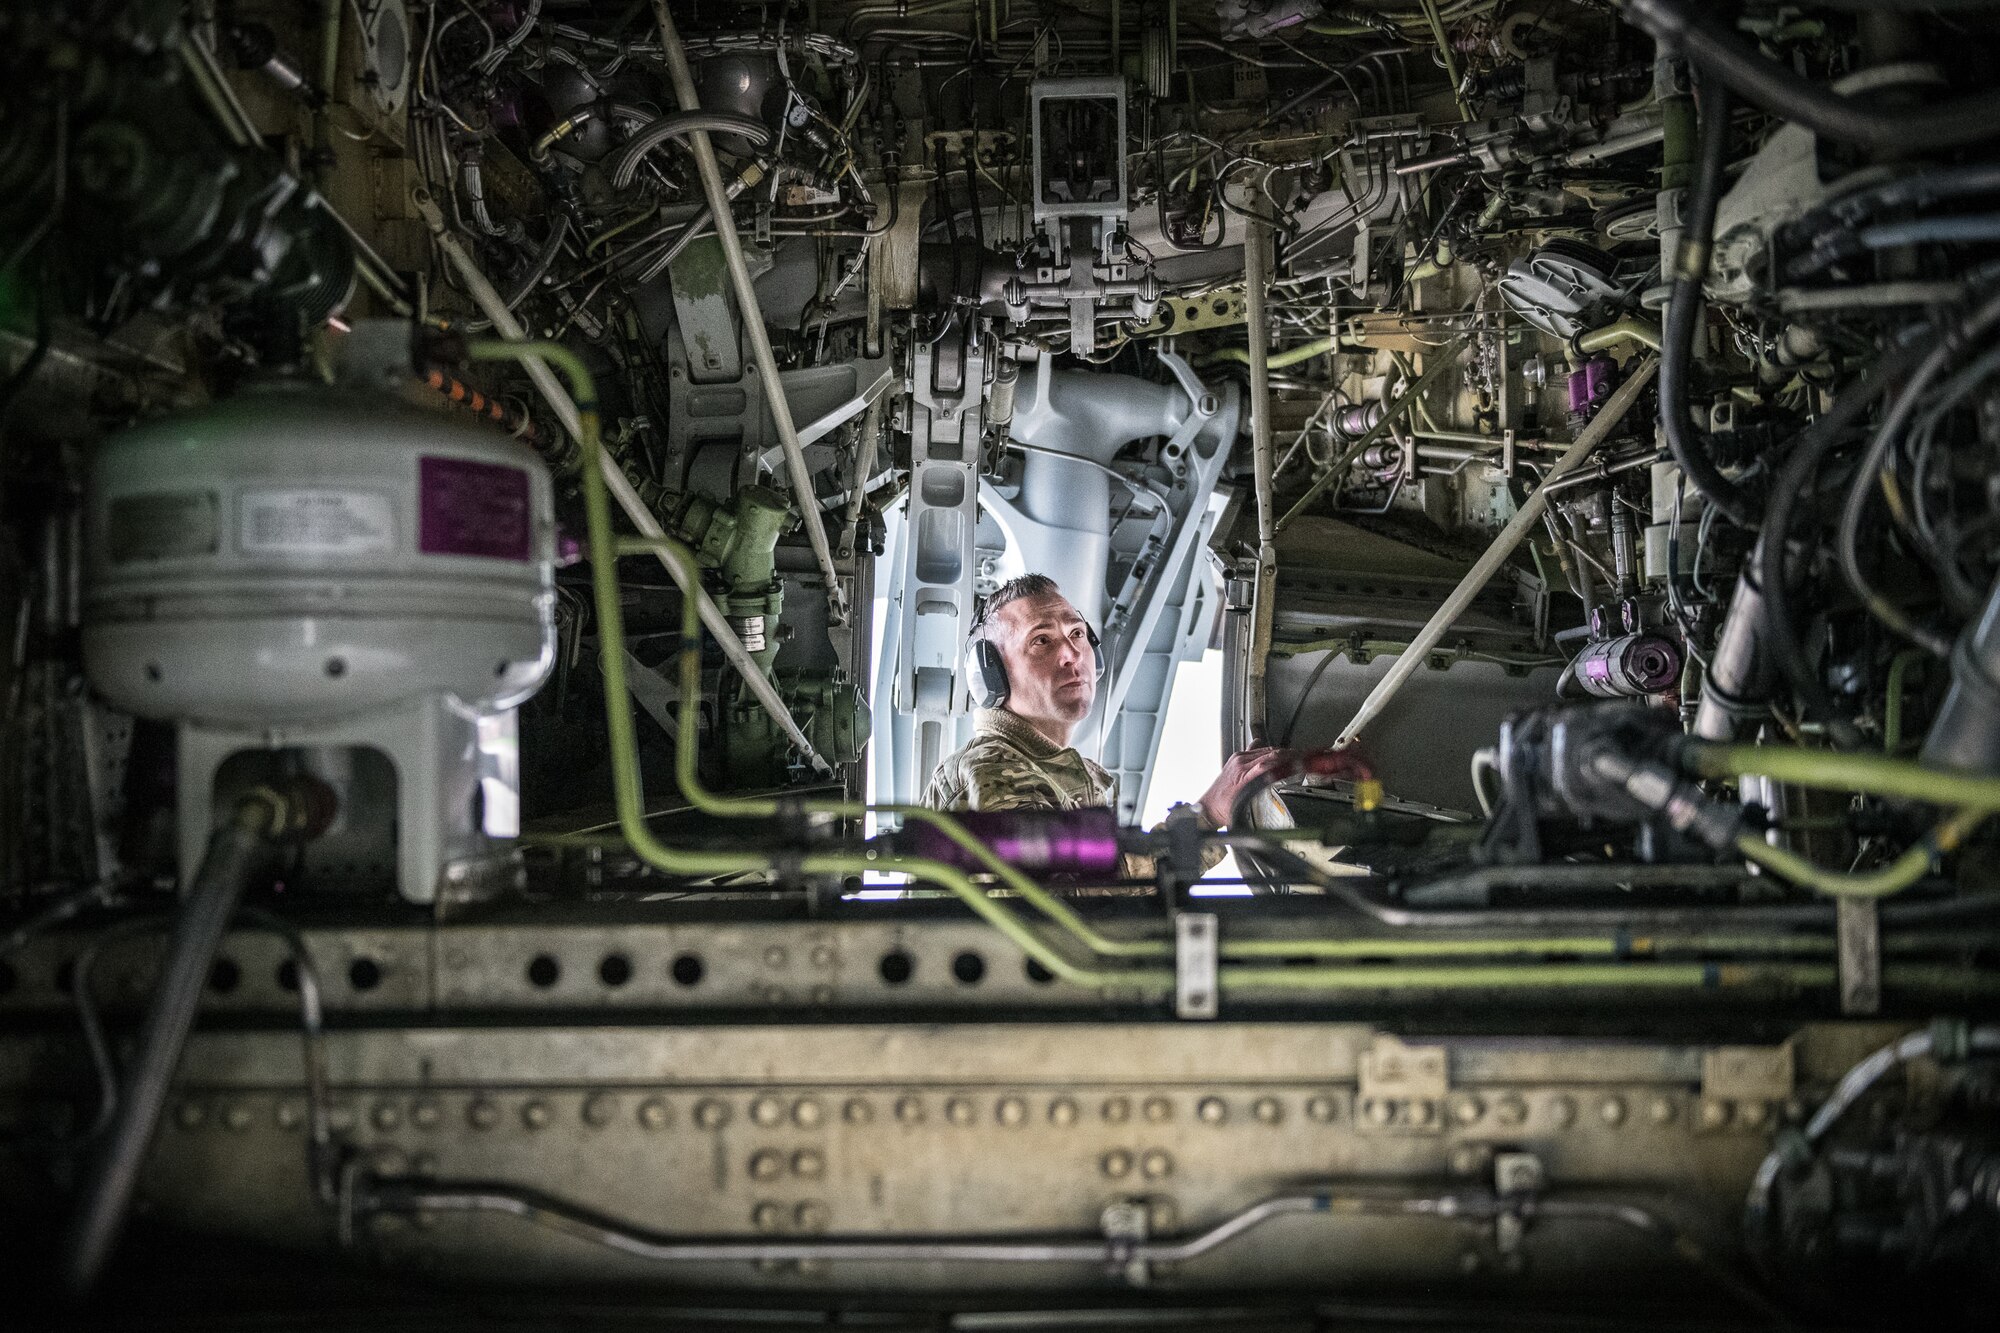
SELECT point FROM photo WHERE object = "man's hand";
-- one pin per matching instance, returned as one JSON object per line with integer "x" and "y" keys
{"x": 1239, "y": 771}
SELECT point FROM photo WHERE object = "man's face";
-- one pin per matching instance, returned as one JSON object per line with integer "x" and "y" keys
{"x": 1051, "y": 667}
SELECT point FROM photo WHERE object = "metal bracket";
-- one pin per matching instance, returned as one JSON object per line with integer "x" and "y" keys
{"x": 1858, "y": 951}
{"x": 1391, "y": 1070}
{"x": 1747, "y": 1073}
{"x": 1195, "y": 965}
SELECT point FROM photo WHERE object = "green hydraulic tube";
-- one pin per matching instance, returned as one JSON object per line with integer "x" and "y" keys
{"x": 605, "y": 549}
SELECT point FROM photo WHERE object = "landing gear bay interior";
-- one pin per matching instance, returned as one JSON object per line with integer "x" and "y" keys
{"x": 999, "y": 664}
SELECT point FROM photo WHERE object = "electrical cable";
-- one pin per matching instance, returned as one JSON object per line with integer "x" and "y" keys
{"x": 1909, "y": 132}
{"x": 1846, "y": 543}
{"x": 1684, "y": 313}
{"x": 1787, "y": 490}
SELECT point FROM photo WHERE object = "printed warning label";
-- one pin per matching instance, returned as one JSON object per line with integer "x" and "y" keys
{"x": 473, "y": 508}
{"x": 316, "y": 522}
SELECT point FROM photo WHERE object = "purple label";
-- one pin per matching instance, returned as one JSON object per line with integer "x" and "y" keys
{"x": 470, "y": 508}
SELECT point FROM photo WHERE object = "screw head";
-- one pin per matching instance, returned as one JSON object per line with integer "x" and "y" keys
{"x": 1712, "y": 1113}
{"x": 766, "y": 1164}
{"x": 1661, "y": 1111}
{"x": 1562, "y": 1111}
{"x": 1321, "y": 1109}
{"x": 387, "y": 1116}
{"x": 1062, "y": 1112}
{"x": 960, "y": 1111}
{"x": 1157, "y": 1110}
{"x": 767, "y": 1216}
{"x": 1212, "y": 1110}
{"x": 1117, "y": 1164}
{"x": 426, "y": 1114}
{"x": 237, "y": 1118}
{"x": 535, "y": 1115}
{"x": 482, "y": 1114}
{"x": 1156, "y": 1164}
{"x": 766, "y": 1111}
{"x": 807, "y": 1113}
{"x": 653, "y": 1113}
{"x": 810, "y": 1216}
{"x": 711, "y": 1113}
{"x": 1268, "y": 1110}
{"x": 857, "y": 1111}
{"x": 910, "y": 1110}
{"x": 1010, "y": 1111}
{"x": 1510, "y": 1110}
{"x": 1117, "y": 1110}
{"x": 1612, "y": 1110}
{"x": 598, "y": 1110}
{"x": 808, "y": 1164}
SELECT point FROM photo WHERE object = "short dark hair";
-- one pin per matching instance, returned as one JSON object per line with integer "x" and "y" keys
{"x": 1013, "y": 590}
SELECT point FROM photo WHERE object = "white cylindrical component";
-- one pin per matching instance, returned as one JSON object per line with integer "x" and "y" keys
{"x": 298, "y": 555}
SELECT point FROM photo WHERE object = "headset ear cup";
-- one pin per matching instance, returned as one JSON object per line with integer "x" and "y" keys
{"x": 989, "y": 674}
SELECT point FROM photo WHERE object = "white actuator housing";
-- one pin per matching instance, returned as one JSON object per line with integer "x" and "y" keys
{"x": 327, "y": 571}
{"x": 298, "y": 554}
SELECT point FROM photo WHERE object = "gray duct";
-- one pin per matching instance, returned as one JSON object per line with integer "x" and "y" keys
{"x": 1966, "y": 734}
{"x": 1075, "y": 422}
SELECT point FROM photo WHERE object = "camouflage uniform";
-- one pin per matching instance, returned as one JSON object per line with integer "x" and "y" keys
{"x": 1008, "y": 765}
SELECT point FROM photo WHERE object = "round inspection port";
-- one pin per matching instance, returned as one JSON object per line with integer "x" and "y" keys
{"x": 897, "y": 967}
{"x": 614, "y": 970}
{"x": 364, "y": 974}
{"x": 688, "y": 969}
{"x": 968, "y": 967}
{"x": 543, "y": 971}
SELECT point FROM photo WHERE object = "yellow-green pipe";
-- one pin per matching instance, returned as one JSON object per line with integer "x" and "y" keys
{"x": 1629, "y": 329}
{"x": 1833, "y": 770}
{"x": 1291, "y": 356}
{"x": 631, "y": 816}
{"x": 1898, "y": 875}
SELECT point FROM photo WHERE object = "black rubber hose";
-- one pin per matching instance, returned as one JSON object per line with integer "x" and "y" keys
{"x": 235, "y": 853}
{"x": 1911, "y": 131}
{"x": 1684, "y": 314}
{"x": 1799, "y": 469}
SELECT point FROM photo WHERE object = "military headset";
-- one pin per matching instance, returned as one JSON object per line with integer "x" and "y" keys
{"x": 988, "y": 673}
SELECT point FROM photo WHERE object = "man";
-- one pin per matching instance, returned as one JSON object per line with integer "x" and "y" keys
{"x": 1020, "y": 756}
